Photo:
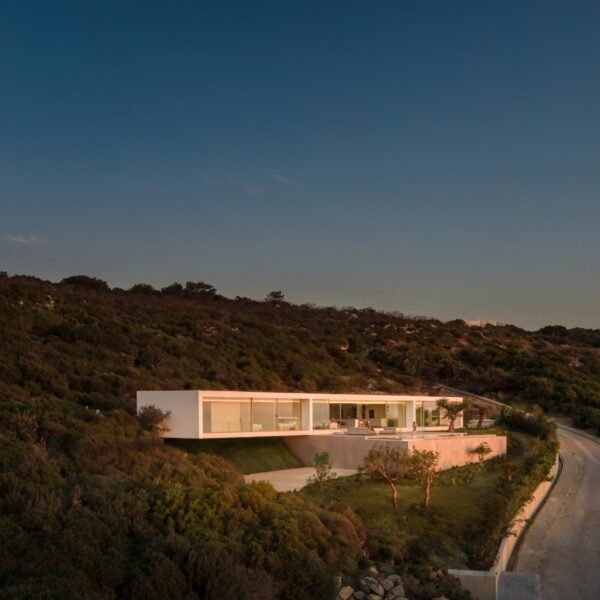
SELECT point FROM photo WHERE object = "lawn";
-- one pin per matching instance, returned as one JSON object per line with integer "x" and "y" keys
{"x": 458, "y": 531}
{"x": 252, "y": 455}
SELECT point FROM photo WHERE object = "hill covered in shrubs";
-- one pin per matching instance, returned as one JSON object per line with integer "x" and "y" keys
{"x": 92, "y": 505}
{"x": 81, "y": 341}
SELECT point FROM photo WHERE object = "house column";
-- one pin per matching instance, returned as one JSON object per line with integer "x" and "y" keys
{"x": 200, "y": 416}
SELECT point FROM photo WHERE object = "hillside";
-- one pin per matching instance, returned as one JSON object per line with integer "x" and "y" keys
{"x": 92, "y": 505}
{"x": 81, "y": 341}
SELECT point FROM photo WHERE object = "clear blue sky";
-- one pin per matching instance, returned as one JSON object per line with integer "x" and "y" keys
{"x": 438, "y": 158}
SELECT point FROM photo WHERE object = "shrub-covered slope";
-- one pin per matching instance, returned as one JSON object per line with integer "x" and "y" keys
{"x": 83, "y": 342}
{"x": 92, "y": 506}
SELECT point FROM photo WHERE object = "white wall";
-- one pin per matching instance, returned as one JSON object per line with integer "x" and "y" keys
{"x": 185, "y": 420}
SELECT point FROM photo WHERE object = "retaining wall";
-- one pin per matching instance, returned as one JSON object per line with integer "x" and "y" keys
{"x": 349, "y": 451}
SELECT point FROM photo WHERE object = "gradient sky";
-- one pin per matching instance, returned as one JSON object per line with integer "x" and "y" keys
{"x": 437, "y": 158}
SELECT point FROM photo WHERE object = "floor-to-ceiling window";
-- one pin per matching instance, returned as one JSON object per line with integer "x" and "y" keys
{"x": 428, "y": 414}
{"x": 225, "y": 415}
{"x": 320, "y": 412}
{"x": 289, "y": 415}
{"x": 231, "y": 415}
{"x": 396, "y": 414}
{"x": 263, "y": 415}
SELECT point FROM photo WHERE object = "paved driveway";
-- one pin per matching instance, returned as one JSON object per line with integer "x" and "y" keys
{"x": 288, "y": 480}
{"x": 562, "y": 547}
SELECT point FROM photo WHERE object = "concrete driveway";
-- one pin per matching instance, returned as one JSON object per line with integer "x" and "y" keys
{"x": 561, "y": 551}
{"x": 289, "y": 480}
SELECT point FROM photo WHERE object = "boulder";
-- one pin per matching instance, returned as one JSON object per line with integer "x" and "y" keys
{"x": 346, "y": 592}
{"x": 373, "y": 571}
{"x": 358, "y": 595}
{"x": 387, "y": 584}
{"x": 377, "y": 589}
{"x": 365, "y": 584}
{"x": 373, "y": 597}
{"x": 395, "y": 579}
{"x": 396, "y": 592}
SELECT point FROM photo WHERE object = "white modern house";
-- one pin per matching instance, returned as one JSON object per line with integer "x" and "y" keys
{"x": 205, "y": 414}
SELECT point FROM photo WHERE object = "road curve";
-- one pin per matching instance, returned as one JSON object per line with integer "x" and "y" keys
{"x": 562, "y": 546}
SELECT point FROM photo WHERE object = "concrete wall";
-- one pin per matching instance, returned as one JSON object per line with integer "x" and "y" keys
{"x": 457, "y": 451}
{"x": 348, "y": 451}
{"x": 185, "y": 420}
{"x": 483, "y": 585}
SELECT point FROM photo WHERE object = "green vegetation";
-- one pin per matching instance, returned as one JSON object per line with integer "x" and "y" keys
{"x": 252, "y": 455}
{"x": 452, "y": 410}
{"x": 324, "y": 473}
{"x": 94, "y": 505}
{"x": 469, "y": 510}
{"x": 387, "y": 463}
{"x": 83, "y": 342}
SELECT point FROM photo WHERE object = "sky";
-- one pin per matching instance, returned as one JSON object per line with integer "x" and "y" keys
{"x": 435, "y": 158}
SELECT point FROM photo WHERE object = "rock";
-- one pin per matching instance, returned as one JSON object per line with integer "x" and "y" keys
{"x": 378, "y": 590}
{"x": 358, "y": 595}
{"x": 346, "y": 592}
{"x": 373, "y": 597}
{"x": 370, "y": 585}
{"x": 440, "y": 598}
{"x": 396, "y": 592}
{"x": 395, "y": 579}
{"x": 373, "y": 571}
{"x": 387, "y": 584}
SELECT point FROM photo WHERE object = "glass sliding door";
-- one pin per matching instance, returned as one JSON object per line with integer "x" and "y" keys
{"x": 320, "y": 410}
{"x": 428, "y": 414}
{"x": 225, "y": 416}
{"x": 289, "y": 415}
{"x": 396, "y": 414}
{"x": 263, "y": 415}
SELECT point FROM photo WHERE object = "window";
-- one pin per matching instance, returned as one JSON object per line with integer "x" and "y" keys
{"x": 225, "y": 416}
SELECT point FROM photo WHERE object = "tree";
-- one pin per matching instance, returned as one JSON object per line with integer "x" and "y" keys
{"x": 152, "y": 419}
{"x": 323, "y": 473}
{"x": 142, "y": 288}
{"x": 482, "y": 412}
{"x": 175, "y": 289}
{"x": 453, "y": 409}
{"x": 89, "y": 282}
{"x": 389, "y": 463}
{"x": 199, "y": 287}
{"x": 482, "y": 451}
{"x": 423, "y": 467}
{"x": 275, "y": 296}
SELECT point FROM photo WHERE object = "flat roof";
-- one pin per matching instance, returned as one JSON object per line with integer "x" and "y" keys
{"x": 309, "y": 396}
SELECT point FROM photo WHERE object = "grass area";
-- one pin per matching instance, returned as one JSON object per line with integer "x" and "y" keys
{"x": 252, "y": 455}
{"x": 455, "y": 532}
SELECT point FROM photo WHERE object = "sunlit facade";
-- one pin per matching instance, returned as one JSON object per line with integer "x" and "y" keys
{"x": 228, "y": 414}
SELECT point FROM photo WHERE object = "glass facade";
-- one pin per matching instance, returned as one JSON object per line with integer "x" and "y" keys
{"x": 396, "y": 414}
{"x": 260, "y": 415}
{"x": 320, "y": 414}
{"x": 226, "y": 416}
{"x": 222, "y": 415}
{"x": 430, "y": 415}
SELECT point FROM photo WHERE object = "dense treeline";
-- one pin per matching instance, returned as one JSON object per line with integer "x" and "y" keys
{"x": 93, "y": 506}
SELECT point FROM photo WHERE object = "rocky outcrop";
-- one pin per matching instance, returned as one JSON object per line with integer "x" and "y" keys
{"x": 374, "y": 587}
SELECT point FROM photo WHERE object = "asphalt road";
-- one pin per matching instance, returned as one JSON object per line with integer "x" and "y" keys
{"x": 561, "y": 551}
